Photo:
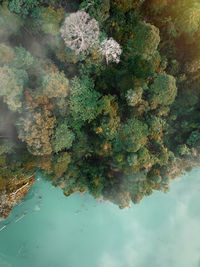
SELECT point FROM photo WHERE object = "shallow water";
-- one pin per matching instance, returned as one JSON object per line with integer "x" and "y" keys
{"x": 50, "y": 230}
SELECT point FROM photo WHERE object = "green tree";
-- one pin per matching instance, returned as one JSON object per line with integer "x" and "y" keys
{"x": 61, "y": 164}
{"x": 55, "y": 85}
{"x": 193, "y": 138}
{"x": 98, "y": 9}
{"x": 183, "y": 150}
{"x": 25, "y": 7}
{"x": 23, "y": 59}
{"x": 12, "y": 86}
{"x": 146, "y": 39}
{"x": 37, "y": 130}
{"x": 132, "y": 136}
{"x": 50, "y": 19}
{"x": 156, "y": 126}
{"x": 134, "y": 96}
{"x": 63, "y": 137}
{"x": 84, "y": 100}
{"x": 6, "y": 147}
{"x": 163, "y": 90}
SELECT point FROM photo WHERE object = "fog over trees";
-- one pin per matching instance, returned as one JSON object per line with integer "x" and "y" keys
{"x": 100, "y": 96}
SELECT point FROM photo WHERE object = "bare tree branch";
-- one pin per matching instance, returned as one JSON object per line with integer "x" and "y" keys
{"x": 80, "y": 32}
{"x": 111, "y": 50}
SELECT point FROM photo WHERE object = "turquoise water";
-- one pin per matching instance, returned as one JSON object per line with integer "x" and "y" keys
{"x": 50, "y": 230}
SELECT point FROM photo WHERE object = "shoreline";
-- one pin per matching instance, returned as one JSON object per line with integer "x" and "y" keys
{"x": 15, "y": 191}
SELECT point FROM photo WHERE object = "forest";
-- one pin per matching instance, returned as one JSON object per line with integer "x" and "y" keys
{"x": 99, "y": 96}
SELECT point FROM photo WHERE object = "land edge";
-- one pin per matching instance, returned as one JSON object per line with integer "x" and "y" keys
{"x": 16, "y": 190}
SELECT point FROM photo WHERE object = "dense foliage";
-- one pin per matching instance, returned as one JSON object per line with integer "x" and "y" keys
{"x": 100, "y": 95}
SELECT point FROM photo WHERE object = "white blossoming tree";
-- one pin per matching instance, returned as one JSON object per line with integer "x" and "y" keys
{"x": 80, "y": 32}
{"x": 111, "y": 50}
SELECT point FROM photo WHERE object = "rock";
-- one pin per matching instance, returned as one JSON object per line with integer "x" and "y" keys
{"x": 16, "y": 190}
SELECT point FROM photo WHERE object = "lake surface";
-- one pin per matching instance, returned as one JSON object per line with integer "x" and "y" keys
{"x": 50, "y": 230}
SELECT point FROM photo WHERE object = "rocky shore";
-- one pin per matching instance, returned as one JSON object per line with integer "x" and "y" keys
{"x": 16, "y": 189}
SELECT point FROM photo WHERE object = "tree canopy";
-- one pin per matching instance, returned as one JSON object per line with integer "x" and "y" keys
{"x": 99, "y": 95}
